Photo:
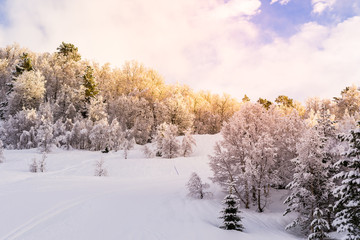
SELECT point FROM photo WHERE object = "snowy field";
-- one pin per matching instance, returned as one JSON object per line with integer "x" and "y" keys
{"x": 140, "y": 199}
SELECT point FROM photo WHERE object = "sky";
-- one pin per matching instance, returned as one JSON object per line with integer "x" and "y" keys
{"x": 262, "y": 48}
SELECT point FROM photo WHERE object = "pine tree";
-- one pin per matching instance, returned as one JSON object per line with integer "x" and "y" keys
{"x": 311, "y": 186}
{"x": 128, "y": 142}
{"x": 187, "y": 144}
{"x": 231, "y": 219}
{"x": 2, "y": 157}
{"x": 197, "y": 188}
{"x": 319, "y": 226}
{"x": 69, "y": 51}
{"x": 347, "y": 206}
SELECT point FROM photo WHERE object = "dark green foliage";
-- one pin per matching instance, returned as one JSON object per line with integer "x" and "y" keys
{"x": 69, "y": 51}
{"x": 89, "y": 84}
{"x": 232, "y": 221}
{"x": 25, "y": 64}
{"x": 266, "y": 103}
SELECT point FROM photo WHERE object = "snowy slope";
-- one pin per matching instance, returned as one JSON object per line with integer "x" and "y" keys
{"x": 141, "y": 199}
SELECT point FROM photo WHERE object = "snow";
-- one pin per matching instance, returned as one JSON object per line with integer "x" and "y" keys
{"x": 140, "y": 199}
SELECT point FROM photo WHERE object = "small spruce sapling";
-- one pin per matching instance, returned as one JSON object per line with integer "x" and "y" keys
{"x": 196, "y": 187}
{"x": 232, "y": 221}
{"x": 319, "y": 226}
{"x": 100, "y": 169}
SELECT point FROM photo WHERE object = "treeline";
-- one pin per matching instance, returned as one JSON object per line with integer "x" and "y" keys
{"x": 82, "y": 96}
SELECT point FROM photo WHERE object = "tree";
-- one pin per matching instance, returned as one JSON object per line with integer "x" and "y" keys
{"x": 347, "y": 206}
{"x": 2, "y": 157}
{"x": 128, "y": 142}
{"x": 266, "y": 103}
{"x": 246, "y": 155}
{"x": 28, "y": 91}
{"x": 311, "y": 186}
{"x": 245, "y": 98}
{"x": 319, "y": 226}
{"x": 42, "y": 163}
{"x": 69, "y": 51}
{"x": 89, "y": 84}
{"x": 284, "y": 101}
{"x": 187, "y": 144}
{"x": 232, "y": 221}
{"x": 350, "y": 100}
{"x": 100, "y": 169}
{"x": 167, "y": 144}
{"x": 197, "y": 188}
{"x": 33, "y": 167}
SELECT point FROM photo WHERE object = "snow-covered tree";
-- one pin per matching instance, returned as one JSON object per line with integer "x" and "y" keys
{"x": 128, "y": 142}
{"x": 29, "y": 89}
{"x": 33, "y": 167}
{"x": 311, "y": 186}
{"x": 100, "y": 169}
{"x": 167, "y": 144}
{"x": 42, "y": 163}
{"x": 45, "y": 137}
{"x": 230, "y": 214}
{"x": 187, "y": 144}
{"x": 246, "y": 155}
{"x": 319, "y": 226}
{"x": 197, "y": 188}
{"x": 347, "y": 206}
{"x": 148, "y": 152}
{"x": 2, "y": 157}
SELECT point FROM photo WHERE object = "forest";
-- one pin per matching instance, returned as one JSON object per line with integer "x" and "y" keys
{"x": 60, "y": 100}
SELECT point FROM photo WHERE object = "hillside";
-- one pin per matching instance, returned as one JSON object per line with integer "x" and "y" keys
{"x": 140, "y": 199}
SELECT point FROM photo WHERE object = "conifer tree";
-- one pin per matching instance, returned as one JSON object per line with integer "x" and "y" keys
{"x": 347, "y": 206}
{"x": 89, "y": 84}
{"x": 319, "y": 226}
{"x": 69, "y": 51}
{"x": 230, "y": 214}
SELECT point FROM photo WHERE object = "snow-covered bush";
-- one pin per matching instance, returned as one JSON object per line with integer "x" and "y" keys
{"x": 100, "y": 169}
{"x": 33, "y": 167}
{"x": 187, "y": 144}
{"x": 148, "y": 152}
{"x": 197, "y": 188}
{"x": 167, "y": 144}
{"x": 42, "y": 163}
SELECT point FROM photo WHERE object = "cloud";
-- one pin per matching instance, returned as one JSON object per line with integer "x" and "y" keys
{"x": 282, "y": 2}
{"x": 320, "y": 6}
{"x": 207, "y": 44}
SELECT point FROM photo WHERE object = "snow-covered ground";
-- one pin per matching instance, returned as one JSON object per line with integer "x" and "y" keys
{"x": 140, "y": 199}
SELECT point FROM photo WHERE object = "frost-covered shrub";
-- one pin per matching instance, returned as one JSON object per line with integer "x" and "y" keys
{"x": 197, "y": 188}
{"x": 100, "y": 169}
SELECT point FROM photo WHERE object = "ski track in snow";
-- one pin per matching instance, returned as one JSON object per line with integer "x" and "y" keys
{"x": 43, "y": 217}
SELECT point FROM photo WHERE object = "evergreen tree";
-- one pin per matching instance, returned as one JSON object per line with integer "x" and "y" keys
{"x": 230, "y": 214}
{"x": 42, "y": 163}
{"x": 33, "y": 167}
{"x": 69, "y": 51}
{"x": 197, "y": 188}
{"x": 311, "y": 185}
{"x": 89, "y": 84}
{"x": 319, "y": 226}
{"x": 347, "y": 206}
